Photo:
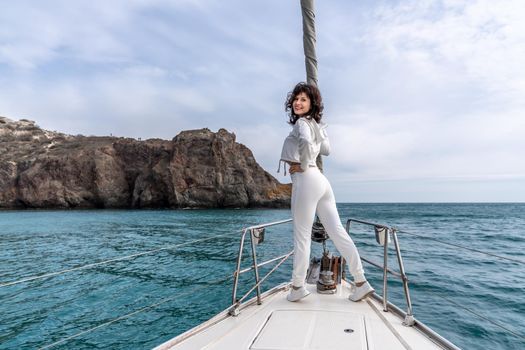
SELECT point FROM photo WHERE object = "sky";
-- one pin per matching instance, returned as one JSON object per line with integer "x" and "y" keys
{"x": 425, "y": 99}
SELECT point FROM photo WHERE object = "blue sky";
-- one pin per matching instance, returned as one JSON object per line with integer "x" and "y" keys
{"x": 424, "y": 99}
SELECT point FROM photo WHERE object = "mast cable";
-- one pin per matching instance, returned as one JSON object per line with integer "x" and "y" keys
{"x": 127, "y": 257}
{"x": 497, "y": 324}
{"x": 463, "y": 247}
{"x": 165, "y": 300}
{"x": 521, "y": 336}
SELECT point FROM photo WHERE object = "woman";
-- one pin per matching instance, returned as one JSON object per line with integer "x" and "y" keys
{"x": 311, "y": 191}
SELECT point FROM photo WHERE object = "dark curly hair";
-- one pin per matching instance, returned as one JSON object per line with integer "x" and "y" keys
{"x": 316, "y": 102}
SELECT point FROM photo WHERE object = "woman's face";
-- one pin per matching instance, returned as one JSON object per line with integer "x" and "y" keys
{"x": 301, "y": 104}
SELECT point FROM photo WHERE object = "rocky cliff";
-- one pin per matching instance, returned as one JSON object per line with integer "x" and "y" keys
{"x": 197, "y": 169}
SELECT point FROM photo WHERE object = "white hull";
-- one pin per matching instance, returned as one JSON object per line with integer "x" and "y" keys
{"x": 316, "y": 322}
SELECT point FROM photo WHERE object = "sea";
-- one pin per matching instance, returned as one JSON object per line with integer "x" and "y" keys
{"x": 133, "y": 279}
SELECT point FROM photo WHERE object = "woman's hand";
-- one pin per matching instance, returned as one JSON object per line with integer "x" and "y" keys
{"x": 295, "y": 168}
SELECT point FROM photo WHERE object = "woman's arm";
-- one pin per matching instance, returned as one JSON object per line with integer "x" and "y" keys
{"x": 306, "y": 147}
{"x": 325, "y": 144}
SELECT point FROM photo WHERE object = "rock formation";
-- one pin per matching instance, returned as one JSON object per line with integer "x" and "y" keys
{"x": 197, "y": 169}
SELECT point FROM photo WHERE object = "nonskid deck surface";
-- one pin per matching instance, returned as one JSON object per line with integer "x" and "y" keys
{"x": 318, "y": 321}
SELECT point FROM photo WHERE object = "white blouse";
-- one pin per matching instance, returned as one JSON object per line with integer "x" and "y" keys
{"x": 306, "y": 141}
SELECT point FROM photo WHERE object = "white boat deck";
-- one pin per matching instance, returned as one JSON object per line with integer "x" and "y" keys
{"x": 318, "y": 321}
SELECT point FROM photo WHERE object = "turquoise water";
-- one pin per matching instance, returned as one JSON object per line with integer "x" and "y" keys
{"x": 187, "y": 285}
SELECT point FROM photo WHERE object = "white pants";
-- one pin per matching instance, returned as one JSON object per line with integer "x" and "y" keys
{"x": 311, "y": 193}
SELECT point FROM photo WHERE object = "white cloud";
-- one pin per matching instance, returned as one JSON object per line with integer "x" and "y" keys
{"x": 416, "y": 91}
{"x": 38, "y": 33}
{"x": 481, "y": 41}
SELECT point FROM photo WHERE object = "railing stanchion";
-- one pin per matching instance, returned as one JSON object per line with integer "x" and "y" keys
{"x": 409, "y": 319}
{"x": 255, "y": 267}
{"x": 238, "y": 269}
{"x": 236, "y": 303}
{"x": 385, "y": 272}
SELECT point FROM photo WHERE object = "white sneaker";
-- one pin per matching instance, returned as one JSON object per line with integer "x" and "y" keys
{"x": 297, "y": 294}
{"x": 358, "y": 293}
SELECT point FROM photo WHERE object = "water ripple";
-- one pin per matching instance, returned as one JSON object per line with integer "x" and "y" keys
{"x": 47, "y": 310}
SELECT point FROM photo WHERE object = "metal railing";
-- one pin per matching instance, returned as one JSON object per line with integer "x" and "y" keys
{"x": 256, "y": 236}
{"x": 383, "y": 237}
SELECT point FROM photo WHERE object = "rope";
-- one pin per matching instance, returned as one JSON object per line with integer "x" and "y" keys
{"x": 127, "y": 257}
{"x": 463, "y": 247}
{"x": 497, "y": 324}
{"x": 163, "y": 301}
